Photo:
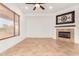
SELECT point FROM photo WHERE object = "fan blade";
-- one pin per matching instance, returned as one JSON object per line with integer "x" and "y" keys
{"x": 34, "y": 3}
{"x": 30, "y": 3}
{"x": 42, "y": 7}
{"x": 34, "y": 8}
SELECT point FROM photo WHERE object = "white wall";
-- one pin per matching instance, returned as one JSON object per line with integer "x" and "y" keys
{"x": 8, "y": 43}
{"x": 39, "y": 26}
{"x": 76, "y": 9}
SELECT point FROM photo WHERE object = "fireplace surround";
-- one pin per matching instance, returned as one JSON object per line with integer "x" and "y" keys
{"x": 65, "y": 34}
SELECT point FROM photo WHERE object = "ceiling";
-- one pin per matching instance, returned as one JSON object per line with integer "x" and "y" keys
{"x": 55, "y": 8}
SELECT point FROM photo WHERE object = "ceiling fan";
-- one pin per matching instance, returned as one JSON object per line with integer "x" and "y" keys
{"x": 37, "y": 5}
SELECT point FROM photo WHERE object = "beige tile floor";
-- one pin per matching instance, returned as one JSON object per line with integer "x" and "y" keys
{"x": 43, "y": 47}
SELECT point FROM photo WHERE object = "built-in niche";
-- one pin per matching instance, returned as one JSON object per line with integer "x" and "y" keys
{"x": 9, "y": 23}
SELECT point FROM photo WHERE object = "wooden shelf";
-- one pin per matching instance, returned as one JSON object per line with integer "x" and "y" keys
{"x": 66, "y": 26}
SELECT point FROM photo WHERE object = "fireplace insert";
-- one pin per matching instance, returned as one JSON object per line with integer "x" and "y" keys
{"x": 64, "y": 34}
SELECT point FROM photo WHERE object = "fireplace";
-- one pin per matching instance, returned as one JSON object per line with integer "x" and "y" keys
{"x": 65, "y": 34}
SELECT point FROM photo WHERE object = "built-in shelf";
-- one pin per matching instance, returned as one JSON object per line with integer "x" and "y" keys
{"x": 66, "y": 26}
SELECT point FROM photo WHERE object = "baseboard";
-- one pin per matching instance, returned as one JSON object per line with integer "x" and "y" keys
{"x": 40, "y": 37}
{"x": 77, "y": 42}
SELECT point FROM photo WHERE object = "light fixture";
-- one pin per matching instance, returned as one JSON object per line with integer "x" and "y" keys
{"x": 37, "y": 5}
{"x": 50, "y": 7}
{"x": 26, "y": 8}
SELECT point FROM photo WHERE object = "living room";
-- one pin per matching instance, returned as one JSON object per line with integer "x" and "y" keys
{"x": 40, "y": 29}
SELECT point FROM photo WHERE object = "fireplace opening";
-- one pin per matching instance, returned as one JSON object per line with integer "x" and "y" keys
{"x": 64, "y": 34}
